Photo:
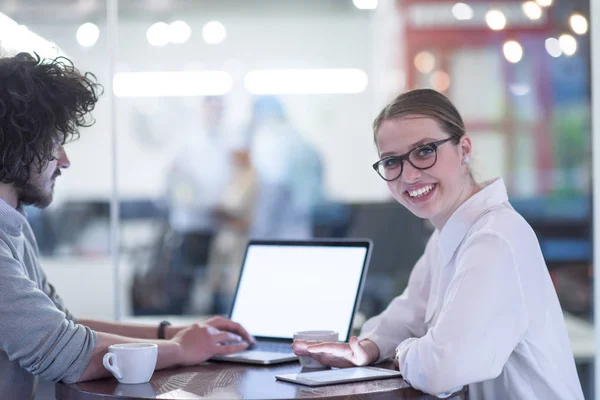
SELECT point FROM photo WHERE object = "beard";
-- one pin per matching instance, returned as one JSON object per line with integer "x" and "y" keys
{"x": 35, "y": 195}
{"x": 33, "y": 192}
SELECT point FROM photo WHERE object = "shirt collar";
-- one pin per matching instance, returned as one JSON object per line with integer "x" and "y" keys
{"x": 465, "y": 216}
{"x": 12, "y": 219}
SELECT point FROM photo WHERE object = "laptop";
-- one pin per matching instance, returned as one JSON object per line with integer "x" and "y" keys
{"x": 287, "y": 286}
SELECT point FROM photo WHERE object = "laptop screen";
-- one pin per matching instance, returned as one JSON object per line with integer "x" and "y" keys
{"x": 290, "y": 287}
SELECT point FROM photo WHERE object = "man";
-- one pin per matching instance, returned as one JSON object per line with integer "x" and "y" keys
{"x": 42, "y": 105}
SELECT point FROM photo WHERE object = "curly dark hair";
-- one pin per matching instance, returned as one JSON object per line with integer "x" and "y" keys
{"x": 42, "y": 102}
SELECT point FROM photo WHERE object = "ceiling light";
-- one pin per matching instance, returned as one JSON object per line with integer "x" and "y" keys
{"x": 579, "y": 24}
{"x": 179, "y": 32}
{"x": 214, "y": 32}
{"x": 87, "y": 34}
{"x": 365, "y": 4}
{"x": 495, "y": 20}
{"x": 513, "y": 52}
{"x": 568, "y": 44}
{"x": 424, "y": 62}
{"x": 462, "y": 11}
{"x": 167, "y": 84}
{"x": 440, "y": 81}
{"x": 158, "y": 34}
{"x": 306, "y": 81}
{"x": 553, "y": 47}
{"x": 532, "y": 10}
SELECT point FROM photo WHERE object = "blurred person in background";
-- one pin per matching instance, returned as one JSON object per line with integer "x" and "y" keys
{"x": 480, "y": 308}
{"x": 196, "y": 184}
{"x": 43, "y": 103}
{"x": 290, "y": 174}
{"x": 236, "y": 213}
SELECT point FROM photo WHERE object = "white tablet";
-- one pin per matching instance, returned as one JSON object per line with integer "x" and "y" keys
{"x": 341, "y": 375}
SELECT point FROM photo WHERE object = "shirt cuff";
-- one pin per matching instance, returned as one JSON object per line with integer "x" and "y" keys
{"x": 401, "y": 350}
{"x": 386, "y": 347}
{"x": 401, "y": 354}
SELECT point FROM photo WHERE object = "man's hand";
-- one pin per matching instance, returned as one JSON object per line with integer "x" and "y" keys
{"x": 339, "y": 355}
{"x": 225, "y": 324}
{"x": 222, "y": 324}
{"x": 198, "y": 343}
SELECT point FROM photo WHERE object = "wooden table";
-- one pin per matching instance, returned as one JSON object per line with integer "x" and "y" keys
{"x": 235, "y": 381}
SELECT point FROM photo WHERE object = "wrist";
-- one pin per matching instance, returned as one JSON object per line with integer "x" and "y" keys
{"x": 170, "y": 354}
{"x": 171, "y": 331}
{"x": 162, "y": 327}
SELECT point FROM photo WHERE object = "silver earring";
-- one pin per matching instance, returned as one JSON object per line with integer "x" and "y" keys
{"x": 467, "y": 159}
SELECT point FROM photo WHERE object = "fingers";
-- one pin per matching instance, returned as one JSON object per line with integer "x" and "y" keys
{"x": 300, "y": 347}
{"x": 360, "y": 356}
{"x": 331, "y": 354}
{"x": 226, "y": 337}
{"x": 335, "y": 349}
{"x": 331, "y": 361}
{"x": 228, "y": 325}
{"x": 230, "y": 349}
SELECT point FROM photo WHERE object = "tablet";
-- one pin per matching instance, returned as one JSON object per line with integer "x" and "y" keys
{"x": 342, "y": 375}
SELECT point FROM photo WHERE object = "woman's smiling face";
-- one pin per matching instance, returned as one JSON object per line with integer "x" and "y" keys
{"x": 433, "y": 193}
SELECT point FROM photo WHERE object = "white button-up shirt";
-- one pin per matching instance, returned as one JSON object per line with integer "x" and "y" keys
{"x": 480, "y": 310}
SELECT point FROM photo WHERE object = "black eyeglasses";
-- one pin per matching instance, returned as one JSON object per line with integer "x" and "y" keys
{"x": 421, "y": 157}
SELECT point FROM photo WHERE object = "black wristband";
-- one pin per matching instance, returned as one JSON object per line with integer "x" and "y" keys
{"x": 161, "y": 329}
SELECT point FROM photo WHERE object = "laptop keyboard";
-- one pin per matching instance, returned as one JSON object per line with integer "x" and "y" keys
{"x": 273, "y": 347}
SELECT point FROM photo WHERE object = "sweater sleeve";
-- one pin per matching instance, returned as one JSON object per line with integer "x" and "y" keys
{"x": 46, "y": 286}
{"x": 35, "y": 332}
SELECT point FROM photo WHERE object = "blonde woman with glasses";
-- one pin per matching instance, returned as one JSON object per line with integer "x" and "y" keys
{"x": 480, "y": 308}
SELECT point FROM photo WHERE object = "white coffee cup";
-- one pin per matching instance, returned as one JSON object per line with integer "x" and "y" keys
{"x": 321, "y": 336}
{"x": 131, "y": 362}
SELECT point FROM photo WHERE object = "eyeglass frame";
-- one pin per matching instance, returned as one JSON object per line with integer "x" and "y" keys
{"x": 406, "y": 157}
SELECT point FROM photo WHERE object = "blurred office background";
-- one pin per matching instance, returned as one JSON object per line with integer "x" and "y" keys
{"x": 239, "y": 119}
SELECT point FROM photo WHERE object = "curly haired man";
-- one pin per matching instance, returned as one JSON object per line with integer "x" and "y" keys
{"x": 43, "y": 103}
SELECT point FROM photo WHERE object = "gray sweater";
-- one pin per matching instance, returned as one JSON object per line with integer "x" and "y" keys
{"x": 38, "y": 336}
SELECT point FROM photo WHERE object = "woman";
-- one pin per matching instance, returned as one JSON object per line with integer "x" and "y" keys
{"x": 480, "y": 308}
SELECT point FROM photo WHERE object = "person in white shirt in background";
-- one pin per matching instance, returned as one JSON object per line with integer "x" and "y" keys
{"x": 198, "y": 179}
{"x": 200, "y": 174}
{"x": 480, "y": 308}
{"x": 289, "y": 171}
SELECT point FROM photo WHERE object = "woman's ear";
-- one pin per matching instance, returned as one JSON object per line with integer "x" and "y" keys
{"x": 465, "y": 148}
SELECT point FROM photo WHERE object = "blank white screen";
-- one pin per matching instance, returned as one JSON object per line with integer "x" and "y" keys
{"x": 285, "y": 289}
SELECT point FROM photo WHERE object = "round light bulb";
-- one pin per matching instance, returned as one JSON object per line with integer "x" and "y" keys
{"x": 579, "y": 24}
{"x": 158, "y": 34}
{"x": 424, "y": 62}
{"x": 532, "y": 10}
{"x": 513, "y": 51}
{"x": 568, "y": 44}
{"x": 87, "y": 34}
{"x": 462, "y": 11}
{"x": 553, "y": 47}
{"x": 495, "y": 20}
{"x": 365, "y": 4}
{"x": 214, "y": 32}
{"x": 179, "y": 32}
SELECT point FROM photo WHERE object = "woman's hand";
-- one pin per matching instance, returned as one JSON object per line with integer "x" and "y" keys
{"x": 198, "y": 343}
{"x": 340, "y": 355}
